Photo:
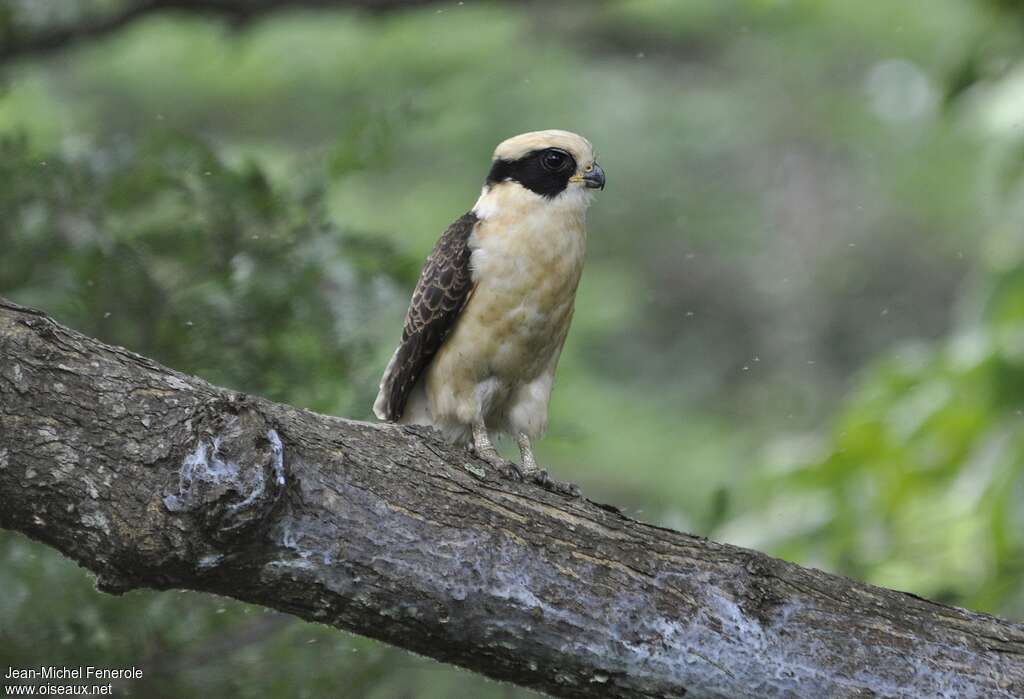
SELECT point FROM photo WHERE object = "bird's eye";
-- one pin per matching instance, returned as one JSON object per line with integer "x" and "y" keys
{"x": 554, "y": 160}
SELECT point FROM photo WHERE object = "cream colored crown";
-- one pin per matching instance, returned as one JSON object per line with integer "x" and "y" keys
{"x": 516, "y": 147}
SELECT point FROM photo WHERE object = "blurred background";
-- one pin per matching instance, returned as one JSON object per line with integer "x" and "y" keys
{"x": 800, "y": 328}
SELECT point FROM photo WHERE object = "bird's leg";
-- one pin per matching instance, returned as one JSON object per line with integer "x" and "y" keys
{"x": 483, "y": 449}
{"x": 530, "y": 467}
{"x": 538, "y": 475}
{"x": 482, "y": 444}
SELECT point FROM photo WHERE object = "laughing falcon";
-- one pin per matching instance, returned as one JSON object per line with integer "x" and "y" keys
{"x": 494, "y": 301}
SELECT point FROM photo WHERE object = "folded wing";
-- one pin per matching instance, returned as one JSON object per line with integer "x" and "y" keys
{"x": 443, "y": 289}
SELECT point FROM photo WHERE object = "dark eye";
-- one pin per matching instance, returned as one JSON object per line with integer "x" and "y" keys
{"x": 554, "y": 160}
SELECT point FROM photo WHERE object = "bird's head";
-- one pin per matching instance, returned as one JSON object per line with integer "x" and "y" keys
{"x": 551, "y": 164}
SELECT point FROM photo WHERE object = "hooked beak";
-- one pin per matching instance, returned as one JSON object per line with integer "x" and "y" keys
{"x": 593, "y": 177}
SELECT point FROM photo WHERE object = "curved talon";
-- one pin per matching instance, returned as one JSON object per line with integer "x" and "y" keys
{"x": 513, "y": 472}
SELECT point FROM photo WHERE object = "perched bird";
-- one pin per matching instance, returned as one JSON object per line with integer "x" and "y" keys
{"x": 492, "y": 308}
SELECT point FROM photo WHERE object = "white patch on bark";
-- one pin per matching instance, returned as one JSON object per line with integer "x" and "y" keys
{"x": 96, "y": 520}
{"x": 175, "y": 382}
{"x": 277, "y": 451}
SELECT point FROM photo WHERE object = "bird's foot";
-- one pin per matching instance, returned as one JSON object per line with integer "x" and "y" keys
{"x": 534, "y": 473}
{"x": 514, "y": 472}
{"x": 504, "y": 467}
{"x": 540, "y": 477}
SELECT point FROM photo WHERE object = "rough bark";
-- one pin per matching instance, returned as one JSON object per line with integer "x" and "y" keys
{"x": 151, "y": 478}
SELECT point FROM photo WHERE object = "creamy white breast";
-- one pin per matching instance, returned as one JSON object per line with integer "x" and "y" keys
{"x": 527, "y": 260}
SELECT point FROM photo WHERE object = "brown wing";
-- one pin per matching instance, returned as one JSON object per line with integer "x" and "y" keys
{"x": 442, "y": 291}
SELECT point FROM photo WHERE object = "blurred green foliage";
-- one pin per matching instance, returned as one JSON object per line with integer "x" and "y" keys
{"x": 801, "y": 326}
{"x": 922, "y": 474}
{"x": 161, "y": 246}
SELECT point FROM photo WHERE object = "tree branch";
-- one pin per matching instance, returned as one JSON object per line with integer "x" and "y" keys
{"x": 237, "y": 11}
{"x": 151, "y": 478}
